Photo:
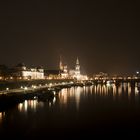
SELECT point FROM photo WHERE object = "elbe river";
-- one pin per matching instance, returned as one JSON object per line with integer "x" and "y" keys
{"x": 81, "y": 111}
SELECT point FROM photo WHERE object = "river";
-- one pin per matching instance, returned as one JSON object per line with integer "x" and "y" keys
{"x": 78, "y": 111}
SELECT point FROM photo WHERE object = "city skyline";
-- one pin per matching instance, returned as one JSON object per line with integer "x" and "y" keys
{"x": 69, "y": 69}
{"x": 104, "y": 35}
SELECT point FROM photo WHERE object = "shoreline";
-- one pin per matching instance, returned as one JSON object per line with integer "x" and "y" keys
{"x": 42, "y": 93}
{"x": 39, "y": 89}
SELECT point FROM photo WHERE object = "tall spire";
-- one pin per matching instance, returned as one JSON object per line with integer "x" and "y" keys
{"x": 77, "y": 61}
{"x": 60, "y": 64}
{"x": 77, "y": 66}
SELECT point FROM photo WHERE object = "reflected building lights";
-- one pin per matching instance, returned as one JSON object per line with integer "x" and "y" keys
{"x": 102, "y": 92}
{"x": 71, "y": 94}
{"x": 84, "y": 89}
{"x": 2, "y": 114}
{"x": 91, "y": 89}
{"x": 23, "y": 107}
{"x": 104, "y": 89}
{"x": 20, "y": 106}
{"x": 129, "y": 91}
{"x": 108, "y": 89}
{"x": 1, "y": 117}
{"x": 77, "y": 96}
{"x": 95, "y": 89}
{"x": 74, "y": 94}
{"x": 136, "y": 90}
{"x": 114, "y": 91}
{"x": 50, "y": 104}
{"x": 98, "y": 89}
{"x": 63, "y": 96}
{"x": 120, "y": 89}
{"x": 33, "y": 104}
{"x": 125, "y": 87}
{"x": 54, "y": 100}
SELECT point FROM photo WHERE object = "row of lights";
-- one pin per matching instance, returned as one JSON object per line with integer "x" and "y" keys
{"x": 34, "y": 86}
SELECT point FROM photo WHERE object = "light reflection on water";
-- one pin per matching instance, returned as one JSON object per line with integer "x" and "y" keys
{"x": 73, "y": 95}
{"x": 124, "y": 90}
{"x": 76, "y": 107}
{"x": 2, "y": 115}
{"x": 29, "y": 105}
{"x": 76, "y": 98}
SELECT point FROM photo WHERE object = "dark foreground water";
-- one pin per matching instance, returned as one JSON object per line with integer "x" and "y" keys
{"x": 101, "y": 110}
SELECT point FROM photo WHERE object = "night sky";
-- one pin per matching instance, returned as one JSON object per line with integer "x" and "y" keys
{"x": 104, "y": 34}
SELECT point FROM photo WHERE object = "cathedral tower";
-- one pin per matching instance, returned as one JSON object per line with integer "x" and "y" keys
{"x": 77, "y": 67}
{"x": 60, "y": 64}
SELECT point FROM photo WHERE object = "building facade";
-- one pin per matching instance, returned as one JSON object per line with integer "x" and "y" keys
{"x": 72, "y": 73}
{"x": 75, "y": 73}
{"x": 63, "y": 70}
{"x": 22, "y": 72}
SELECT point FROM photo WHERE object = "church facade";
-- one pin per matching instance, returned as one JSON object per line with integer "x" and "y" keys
{"x": 71, "y": 73}
{"x": 75, "y": 73}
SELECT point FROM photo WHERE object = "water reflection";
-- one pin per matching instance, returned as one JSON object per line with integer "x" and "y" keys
{"x": 75, "y": 96}
{"x": 73, "y": 106}
{"x": 2, "y": 115}
{"x": 122, "y": 92}
{"x": 52, "y": 102}
{"x": 28, "y": 104}
{"x": 71, "y": 95}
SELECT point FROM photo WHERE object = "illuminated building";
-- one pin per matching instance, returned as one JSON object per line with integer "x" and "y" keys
{"x": 72, "y": 73}
{"x": 63, "y": 70}
{"x": 64, "y": 73}
{"x": 76, "y": 74}
{"x": 22, "y": 72}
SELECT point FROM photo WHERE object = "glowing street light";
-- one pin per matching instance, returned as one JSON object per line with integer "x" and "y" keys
{"x": 50, "y": 84}
{"x": 137, "y": 72}
{"x": 7, "y": 89}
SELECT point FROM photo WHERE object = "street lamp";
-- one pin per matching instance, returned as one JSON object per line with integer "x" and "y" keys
{"x": 7, "y": 89}
{"x": 137, "y": 73}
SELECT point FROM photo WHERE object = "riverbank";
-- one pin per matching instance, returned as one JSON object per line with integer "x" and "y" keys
{"x": 39, "y": 91}
{"x": 11, "y": 99}
{"x": 14, "y": 84}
